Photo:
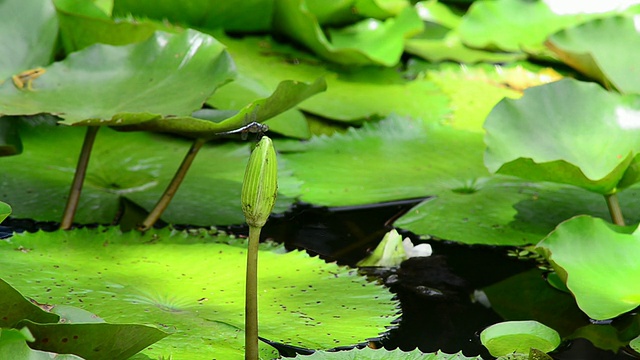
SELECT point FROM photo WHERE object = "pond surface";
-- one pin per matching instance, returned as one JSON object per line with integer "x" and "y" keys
{"x": 438, "y": 293}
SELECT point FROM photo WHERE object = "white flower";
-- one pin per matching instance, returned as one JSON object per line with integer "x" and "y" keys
{"x": 420, "y": 250}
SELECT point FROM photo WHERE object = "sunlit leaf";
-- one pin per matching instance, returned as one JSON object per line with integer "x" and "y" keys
{"x": 5, "y": 210}
{"x": 13, "y": 345}
{"x": 20, "y": 308}
{"x": 597, "y": 260}
{"x": 193, "y": 285}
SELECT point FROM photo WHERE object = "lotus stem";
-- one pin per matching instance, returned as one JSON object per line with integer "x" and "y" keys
{"x": 173, "y": 186}
{"x": 251, "y": 296}
{"x": 78, "y": 178}
{"x": 614, "y": 209}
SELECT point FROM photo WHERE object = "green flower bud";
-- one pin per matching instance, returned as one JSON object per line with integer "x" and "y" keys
{"x": 260, "y": 185}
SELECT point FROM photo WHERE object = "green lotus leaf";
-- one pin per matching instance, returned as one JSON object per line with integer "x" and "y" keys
{"x": 527, "y": 296}
{"x": 555, "y": 133}
{"x": 83, "y": 23}
{"x": 508, "y": 211}
{"x": 28, "y": 33}
{"x": 635, "y": 344}
{"x": 5, "y": 210}
{"x": 592, "y": 47}
{"x": 602, "y": 336}
{"x": 598, "y": 262}
{"x": 379, "y": 9}
{"x": 245, "y": 16}
{"x": 519, "y": 337}
{"x": 13, "y": 345}
{"x": 514, "y": 25}
{"x": 333, "y": 13}
{"x": 352, "y": 94}
{"x": 99, "y": 341}
{"x": 404, "y": 159}
{"x": 382, "y": 354}
{"x": 123, "y": 84}
{"x": 21, "y": 308}
{"x": 193, "y": 285}
{"x": 133, "y": 166}
{"x": 369, "y": 42}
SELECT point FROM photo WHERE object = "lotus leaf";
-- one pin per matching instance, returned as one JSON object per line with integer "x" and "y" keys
{"x": 354, "y": 168}
{"x": 555, "y": 133}
{"x": 369, "y": 42}
{"x": 5, "y": 210}
{"x": 132, "y": 166}
{"x": 27, "y": 36}
{"x": 515, "y": 25}
{"x": 10, "y": 143}
{"x": 593, "y": 48}
{"x": 598, "y": 262}
{"x": 13, "y": 345}
{"x": 382, "y": 354}
{"x": 244, "y": 16}
{"x": 635, "y": 344}
{"x": 124, "y": 84}
{"x": 519, "y": 337}
{"x": 193, "y": 285}
{"x": 83, "y": 23}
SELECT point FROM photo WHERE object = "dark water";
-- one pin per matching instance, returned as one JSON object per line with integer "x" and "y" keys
{"x": 435, "y": 292}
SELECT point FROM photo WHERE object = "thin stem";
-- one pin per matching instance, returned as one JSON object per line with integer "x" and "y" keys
{"x": 251, "y": 297}
{"x": 614, "y": 209}
{"x": 78, "y": 178}
{"x": 173, "y": 186}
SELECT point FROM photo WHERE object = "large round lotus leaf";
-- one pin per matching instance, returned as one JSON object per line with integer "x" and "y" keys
{"x": 83, "y": 23}
{"x": 241, "y": 16}
{"x": 396, "y": 158}
{"x": 519, "y": 337}
{"x": 133, "y": 166}
{"x": 369, "y": 42}
{"x": 352, "y": 94}
{"x": 599, "y": 263}
{"x": 568, "y": 132}
{"x": 594, "y": 48}
{"x": 193, "y": 285}
{"x": 382, "y": 354}
{"x": 28, "y": 33}
{"x": 508, "y": 211}
{"x": 133, "y": 83}
{"x": 451, "y": 48}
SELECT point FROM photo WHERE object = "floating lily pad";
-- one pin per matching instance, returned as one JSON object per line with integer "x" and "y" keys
{"x": 134, "y": 166}
{"x": 394, "y": 159}
{"x": 193, "y": 285}
{"x": 519, "y": 337}
{"x": 28, "y": 33}
{"x": 369, "y": 42}
{"x": 508, "y": 211}
{"x": 598, "y": 262}
{"x": 382, "y": 354}
{"x": 16, "y": 308}
{"x": 594, "y": 48}
{"x": 556, "y": 132}
{"x": 635, "y": 344}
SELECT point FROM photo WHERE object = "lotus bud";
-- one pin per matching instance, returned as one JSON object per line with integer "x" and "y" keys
{"x": 260, "y": 185}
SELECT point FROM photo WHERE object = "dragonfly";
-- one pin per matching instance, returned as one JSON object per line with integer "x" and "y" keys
{"x": 253, "y": 127}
